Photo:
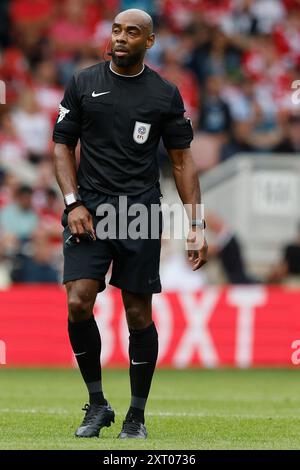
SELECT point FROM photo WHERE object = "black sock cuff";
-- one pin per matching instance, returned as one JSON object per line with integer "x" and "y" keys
{"x": 85, "y": 324}
{"x": 146, "y": 336}
{"x": 150, "y": 330}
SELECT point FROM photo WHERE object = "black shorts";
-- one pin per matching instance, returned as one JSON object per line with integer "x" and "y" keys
{"x": 135, "y": 262}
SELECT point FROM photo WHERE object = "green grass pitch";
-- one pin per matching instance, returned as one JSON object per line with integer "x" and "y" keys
{"x": 191, "y": 409}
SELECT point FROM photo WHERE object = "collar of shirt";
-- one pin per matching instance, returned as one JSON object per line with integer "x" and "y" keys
{"x": 126, "y": 76}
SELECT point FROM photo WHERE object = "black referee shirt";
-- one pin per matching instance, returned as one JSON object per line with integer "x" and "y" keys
{"x": 119, "y": 121}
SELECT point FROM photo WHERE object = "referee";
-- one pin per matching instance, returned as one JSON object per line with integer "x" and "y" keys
{"x": 119, "y": 110}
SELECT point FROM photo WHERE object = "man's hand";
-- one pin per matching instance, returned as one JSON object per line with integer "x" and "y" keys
{"x": 197, "y": 248}
{"x": 80, "y": 222}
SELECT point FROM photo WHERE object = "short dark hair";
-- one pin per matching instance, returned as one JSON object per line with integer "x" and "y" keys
{"x": 24, "y": 189}
{"x": 50, "y": 192}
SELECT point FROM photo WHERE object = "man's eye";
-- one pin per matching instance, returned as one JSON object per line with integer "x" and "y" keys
{"x": 116, "y": 31}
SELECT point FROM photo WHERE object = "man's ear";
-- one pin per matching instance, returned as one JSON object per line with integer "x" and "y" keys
{"x": 150, "y": 41}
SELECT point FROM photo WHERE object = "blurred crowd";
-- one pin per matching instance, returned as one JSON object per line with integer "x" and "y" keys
{"x": 233, "y": 60}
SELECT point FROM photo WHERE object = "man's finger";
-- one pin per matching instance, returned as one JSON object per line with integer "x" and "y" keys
{"x": 198, "y": 263}
{"x": 89, "y": 228}
{"x": 73, "y": 230}
{"x": 90, "y": 231}
{"x": 79, "y": 228}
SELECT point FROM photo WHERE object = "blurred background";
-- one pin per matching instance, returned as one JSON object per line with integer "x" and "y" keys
{"x": 234, "y": 62}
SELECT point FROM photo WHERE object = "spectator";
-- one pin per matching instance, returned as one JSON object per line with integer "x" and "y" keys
{"x": 35, "y": 267}
{"x": 214, "y": 126}
{"x": 70, "y": 37}
{"x": 263, "y": 15}
{"x": 50, "y": 217}
{"x": 14, "y": 70}
{"x": 228, "y": 250}
{"x": 166, "y": 40}
{"x": 259, "y": 134}
{"x": 268, "y": 13}
{"x": 291, "y": 142}
{"x": 286, "y": 35}
{"x": 215, "y": 115}
{"x": 33, "y": 126}
{"x": 242, "y": 22}
{"x": 289, "y": 266}
{"x": 30, "y": 21}
{"x": 233, "y": 61}
{"x": 18, "y": 218}
{"x": 12, "y": 150}
{"x": 8, "y": 188}
{"x": 185, "y": 80}
{"x": 216, "y": 57}
{"x": 48, "y": 93}
{"x": 240, "y": 97}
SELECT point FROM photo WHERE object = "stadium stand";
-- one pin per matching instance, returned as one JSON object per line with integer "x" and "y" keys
{"x": 234, "y": 62}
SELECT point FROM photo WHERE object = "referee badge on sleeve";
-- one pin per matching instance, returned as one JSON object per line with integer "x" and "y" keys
{"x": 62, "y": 113}
{"x": 141, "y": 132}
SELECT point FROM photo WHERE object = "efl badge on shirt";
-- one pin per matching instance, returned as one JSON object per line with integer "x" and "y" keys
{"x": 141, "y": 132}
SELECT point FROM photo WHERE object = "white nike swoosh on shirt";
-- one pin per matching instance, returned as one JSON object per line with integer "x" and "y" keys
{"x": 137, "y": 363}
{"x": 80, "y": 354}
{"x": 94, "y": 94}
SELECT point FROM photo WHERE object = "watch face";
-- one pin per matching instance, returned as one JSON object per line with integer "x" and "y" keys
{"x": 70, "y": 199}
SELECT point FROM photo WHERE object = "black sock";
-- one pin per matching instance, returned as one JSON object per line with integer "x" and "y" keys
{"x": 136, "y": 413}
{"x": 86, "y": 343}
{"x": 143, "y": 347}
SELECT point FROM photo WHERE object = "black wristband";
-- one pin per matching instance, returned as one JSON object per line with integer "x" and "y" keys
{"x": 73, "y": 206}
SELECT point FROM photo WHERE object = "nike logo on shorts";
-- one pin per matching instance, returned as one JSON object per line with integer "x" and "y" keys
{"x": 137, "y": 363}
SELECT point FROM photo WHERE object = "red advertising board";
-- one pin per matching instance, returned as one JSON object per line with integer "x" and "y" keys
{"x": 218, "y": 326}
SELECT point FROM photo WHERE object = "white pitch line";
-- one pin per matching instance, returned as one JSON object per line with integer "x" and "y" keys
{"x": 33, "y": 410}
{"x": 222, "y": 399}
{"x": 217, "y": 415}
{"x": 160, "y": 414}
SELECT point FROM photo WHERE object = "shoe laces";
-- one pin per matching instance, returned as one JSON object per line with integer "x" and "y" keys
{"x": 131, "y": 426}
{"x": 90, "y": 413}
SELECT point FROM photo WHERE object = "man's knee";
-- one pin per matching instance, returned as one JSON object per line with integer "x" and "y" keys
{"x": 138, "y": 311}
{"x": 80, "y": 308}
{"x": 136, "y": 318}
{"x": 81, "y": 301}
{"x": 81, "y": 298}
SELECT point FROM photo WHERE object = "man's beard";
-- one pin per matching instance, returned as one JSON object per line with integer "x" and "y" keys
{"x": 128, "y": 60}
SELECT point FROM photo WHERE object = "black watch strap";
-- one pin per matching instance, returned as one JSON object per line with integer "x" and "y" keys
{"x": 73, "y": 206}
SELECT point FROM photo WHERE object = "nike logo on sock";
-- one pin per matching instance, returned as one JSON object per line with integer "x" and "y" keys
{"x": 80, "y": 354}
{"x": 137, "y": 363}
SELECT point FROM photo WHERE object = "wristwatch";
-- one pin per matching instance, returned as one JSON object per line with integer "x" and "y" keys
{"x": 72, "y": 200}
{"x": 198, "y": 223}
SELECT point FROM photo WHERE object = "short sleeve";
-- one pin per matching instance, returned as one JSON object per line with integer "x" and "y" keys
{"x": 177, "y": 132}
{"x": 67, "y": 127}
